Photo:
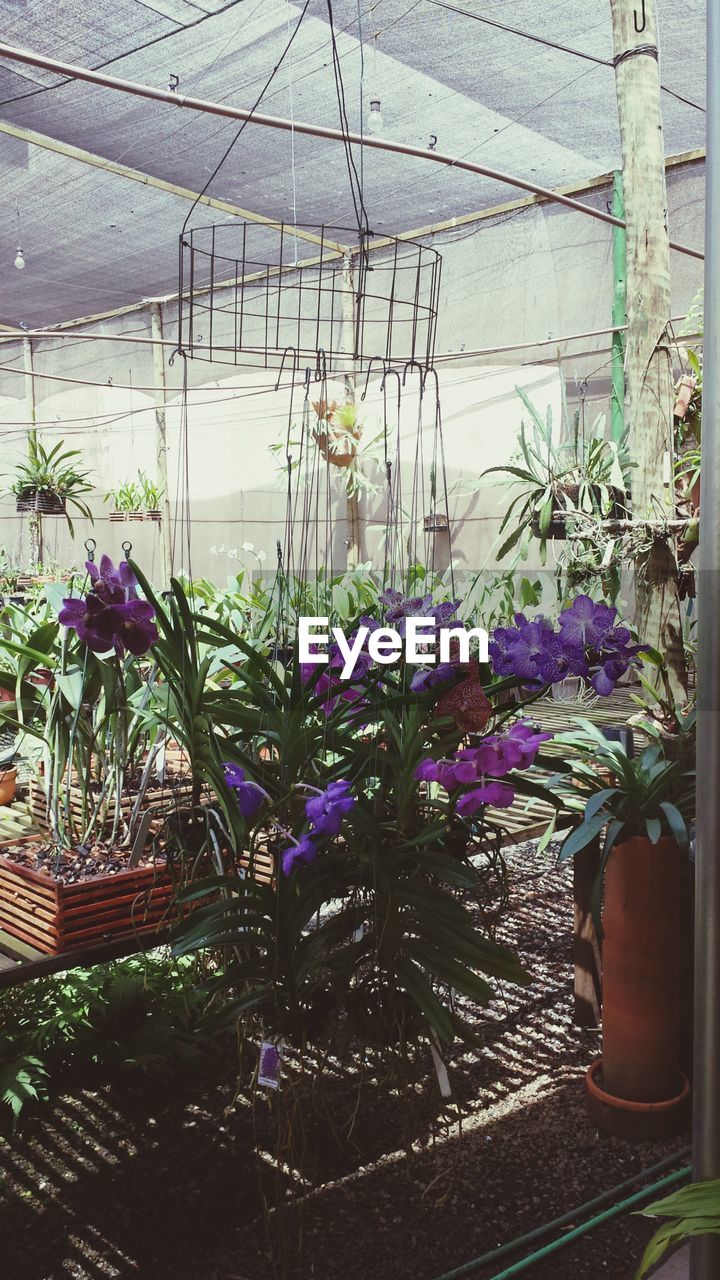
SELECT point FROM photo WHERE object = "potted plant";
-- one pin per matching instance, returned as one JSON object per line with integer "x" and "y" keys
{"x": 99, "y": 869}
{"x": 135, "y": 500}
{"x": 337, "y": 431}
{"x": 49, "y": 482}
{"x": 554, "y": 481}
{"x": 642, "y": 809}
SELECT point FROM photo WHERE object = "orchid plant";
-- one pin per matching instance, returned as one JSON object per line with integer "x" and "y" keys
{"x": 377, "y": 811}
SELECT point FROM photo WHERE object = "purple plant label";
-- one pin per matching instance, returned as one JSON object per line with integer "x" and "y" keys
{"x": 269, "y": 1065}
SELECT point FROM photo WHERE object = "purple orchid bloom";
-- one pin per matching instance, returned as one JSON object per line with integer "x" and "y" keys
{"x": 327, "y": 810}
{"x": 585, "y": 624}
{"x": 302, "y": 850}
{"x": 127, "y": 626}
{"x": 499, "y": 794}
{"x": 111, "y": 585}
{"x": 249, "y": 794}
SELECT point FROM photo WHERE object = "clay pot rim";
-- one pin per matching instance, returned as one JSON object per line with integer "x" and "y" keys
{"x": 626, "y": 1104}
{"x": 8, "y": 774}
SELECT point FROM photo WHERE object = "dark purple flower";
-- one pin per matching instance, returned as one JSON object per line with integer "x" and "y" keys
{"x": 111, "y": 585}
{"x": 302, "y": 850}
{"x": 249, "y": 794}
{"x": 427, "y": 677}
{"x": 127, "y": 625}
{"x": 327, "y": 810}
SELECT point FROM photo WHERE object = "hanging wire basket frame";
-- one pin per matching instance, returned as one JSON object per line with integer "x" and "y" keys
{"x": 243, "y": 290}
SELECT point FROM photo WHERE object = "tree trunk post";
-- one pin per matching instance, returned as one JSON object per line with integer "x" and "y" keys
{"x": 648, "y": 369}
{"x": 156, "y": 330}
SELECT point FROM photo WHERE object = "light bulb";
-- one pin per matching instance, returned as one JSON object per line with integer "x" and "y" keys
{"x": 19, "y": 259}
{"x": 375, "y": 119}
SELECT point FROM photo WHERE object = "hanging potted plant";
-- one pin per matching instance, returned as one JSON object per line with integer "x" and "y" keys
{"x": 554, "y": 482}
{"x": 337, "y": 431}
{"x": 49, "y": 482}
{"x": 642, "y": 808}
{"x": 135, "y": 500}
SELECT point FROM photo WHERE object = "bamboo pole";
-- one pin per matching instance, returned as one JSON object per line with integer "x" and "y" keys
{"x": 348, "y": 344}
{"x": 648, "y": 367}
{"x": 161, "y": 437}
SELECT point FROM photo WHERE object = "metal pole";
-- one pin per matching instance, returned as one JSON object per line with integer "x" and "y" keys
{"x": 705, "y": 1254}
{"x": 74, "y": 72}
{"x": 161, "y": 437}
{"x": 617, "y": 403}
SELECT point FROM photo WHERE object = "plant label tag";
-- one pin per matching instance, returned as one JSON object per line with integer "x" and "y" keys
{"x": 269, "y": 1064}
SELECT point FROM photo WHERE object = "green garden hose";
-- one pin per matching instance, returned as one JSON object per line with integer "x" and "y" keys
{"x": 608, "y": 1197}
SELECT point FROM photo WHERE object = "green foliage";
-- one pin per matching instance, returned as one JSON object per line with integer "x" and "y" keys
{"x": 693, "y": 1211}
{"x": 581, "y": 480}
{"x": 650, "y": 795}
{"x": 140, "y": 495}
{"x": 140, "y": 1016}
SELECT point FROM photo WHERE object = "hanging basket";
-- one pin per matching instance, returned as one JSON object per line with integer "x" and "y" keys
{"x": 268, "y": 289}
{"x": 337, "y": 447}
{"x": 41, "y": 501}
{"x": 557, "y": 530}
{"x": 436, "y": 523}
{"x": 122, "y": 517}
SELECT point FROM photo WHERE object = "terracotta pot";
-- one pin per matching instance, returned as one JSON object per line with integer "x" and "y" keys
{"x": 337, "y": 447}
{"x": 8, "y": 785}
{"x": 636, "y": 1121}
{"x": 643, "y": 956}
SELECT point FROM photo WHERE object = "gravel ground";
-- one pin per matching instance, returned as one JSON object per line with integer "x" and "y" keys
{"x": 377, "y": 1177}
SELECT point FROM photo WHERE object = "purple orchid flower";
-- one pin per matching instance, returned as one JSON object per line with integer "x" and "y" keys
{"x": 113, "y": 586}
{"x": 327, "y": 809}
{"x": 103, "y": 627}
{"x": 302, "y": 850}
{"x": 499, "y": 794}
{"x": 249, "y": 794}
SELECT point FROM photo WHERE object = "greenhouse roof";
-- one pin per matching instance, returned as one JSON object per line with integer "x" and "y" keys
{"x": 94, "y": 239}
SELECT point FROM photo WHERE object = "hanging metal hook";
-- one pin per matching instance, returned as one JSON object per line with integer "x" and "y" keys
{"x": 90, "y": 547}
{"x": 379, "y": 360}
{"x": 643, "y": 16}
{"x": 282, "y": 365}
{"x": 415, "y": 364}
{"x": 320, "y": 365}
{"x": 127, "y": 548}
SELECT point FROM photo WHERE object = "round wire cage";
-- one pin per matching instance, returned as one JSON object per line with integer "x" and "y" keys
{"x": 263, "y": 289}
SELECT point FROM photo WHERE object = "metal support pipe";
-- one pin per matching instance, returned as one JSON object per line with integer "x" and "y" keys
{"x": 705, "y": 1254}
{"x": 73, "y": 72}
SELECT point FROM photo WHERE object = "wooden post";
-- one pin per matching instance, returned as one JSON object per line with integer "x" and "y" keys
{"x": 586, "y": 944}
{"x": 161, "y": 437}
{"x": 35, "y": 519}
{"x": 349, "y": 316}
{"x": 648, "y": 369}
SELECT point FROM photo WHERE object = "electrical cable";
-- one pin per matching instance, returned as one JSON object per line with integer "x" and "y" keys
{"x": 245, "y": 122}
{"x": 551, "y": 44}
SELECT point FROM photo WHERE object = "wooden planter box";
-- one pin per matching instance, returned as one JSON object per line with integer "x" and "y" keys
{"x": 41, "y": 501}
{"x": 161, "y": 799}
{"x": 122, "y": 517}
{"x": 56, "y": 917}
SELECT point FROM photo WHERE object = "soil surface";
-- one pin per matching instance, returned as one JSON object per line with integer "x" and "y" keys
{"x": 70, "y": 866}
{"x": 366, "y": 1174}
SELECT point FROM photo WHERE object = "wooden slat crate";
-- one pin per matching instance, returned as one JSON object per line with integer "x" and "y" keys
{"x": 56, "y": 917}
{"x": 161, "y": 799}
